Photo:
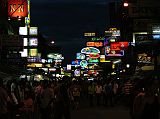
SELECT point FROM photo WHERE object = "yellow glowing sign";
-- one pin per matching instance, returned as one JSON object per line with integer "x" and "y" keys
{"x": 34, "y": 65}
{"x": 33, "y": 52}
{"x": 89, "y": 34}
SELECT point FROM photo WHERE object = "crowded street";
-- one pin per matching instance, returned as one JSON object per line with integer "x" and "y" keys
{"x": 79, "y": 59}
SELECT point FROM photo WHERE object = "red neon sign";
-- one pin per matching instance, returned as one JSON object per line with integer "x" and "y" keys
{"x": 119, "y": 46}
{"x": 17, "y": 8}
{"x": 94, "y": 56}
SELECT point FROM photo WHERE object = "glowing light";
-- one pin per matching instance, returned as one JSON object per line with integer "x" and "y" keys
{"x": 125, "y": 4}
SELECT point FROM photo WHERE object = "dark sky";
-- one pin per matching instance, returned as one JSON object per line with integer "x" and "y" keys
{"x": 65, "y": 21}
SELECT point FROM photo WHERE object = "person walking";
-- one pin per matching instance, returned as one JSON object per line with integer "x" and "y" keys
{"x": 63, "y": 97}
{"x": 98, "y": 91}
{"x": 115, "y": 92}
{"x": 91, "y": 93}
{"x": 46, "y": 99}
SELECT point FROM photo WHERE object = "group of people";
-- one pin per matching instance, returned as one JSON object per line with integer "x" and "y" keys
{"x": 34, "y": 100}
{"x": 104, "y": 94}
{"x": 54, "y": 99}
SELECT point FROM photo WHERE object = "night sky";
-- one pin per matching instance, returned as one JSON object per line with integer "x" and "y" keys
{"x": 65, "y": 21}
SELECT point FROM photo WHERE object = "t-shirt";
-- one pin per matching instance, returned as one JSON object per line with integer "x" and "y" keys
{"x": 98, "y": 89}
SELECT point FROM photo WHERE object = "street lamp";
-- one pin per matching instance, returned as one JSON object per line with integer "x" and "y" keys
{"x": 52, "y": 42}
{"x": 125, "y": 4}
{"x": 127, "y": 65}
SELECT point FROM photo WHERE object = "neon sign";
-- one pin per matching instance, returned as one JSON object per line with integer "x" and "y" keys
{"x": 17, "y": 8}
{"x": 90, "y": 50}
{"x": 94, "y": 56}
{"x": 89, "y": 34}
{"x": 80, "y": 56}
{"x": 96, "y": 44}
{"x": 119, "y": 45}
{"x": 83, "y": 63}
{"x": 76, "y": 62}
{"x": 90, "y": 60}
{"x": 109, "y": 52}
{"x": 97, "y": 39}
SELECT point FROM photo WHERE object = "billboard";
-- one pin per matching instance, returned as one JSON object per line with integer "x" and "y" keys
{"x": 17, "y": 8}
{"x": 119, "y": 45}
{"x": 109, "y": 52}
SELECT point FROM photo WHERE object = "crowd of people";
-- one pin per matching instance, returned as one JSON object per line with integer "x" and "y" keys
{"x": 54, "y": 99}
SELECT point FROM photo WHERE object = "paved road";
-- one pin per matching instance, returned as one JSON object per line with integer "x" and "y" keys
{"x": 117, "y": 112}
{"x": 100, "y": 112}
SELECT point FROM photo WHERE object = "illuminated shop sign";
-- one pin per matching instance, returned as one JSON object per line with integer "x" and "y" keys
{"x": 109, "y": 52}
{"x": 108, "y": 33}
{"x": 33, "y": 42}
{"x": 69, "y": 67}
{"x": 89, "y": 34}
{"x": 45, "y": 69}
{"x": 17, "y": 8}
{"x": 55, "y": 56}
{"x": 25, "y": 42}
{"x": 47, "y": 60}
{"x": 80, "y": 56}
{"x": 119, "y": 45}
{"x": 47, "y": 65}
{"x": 144, "y": 58}
{"x": 33, "y": 52}
{"x": 33, "y": 31}
{"x": 92, "y": 66}
{"x": 24, "y": 53}
{"x": 157, "y": 36}
{"x": 103, "y": 59}
{"x": 76, "y": 62}
{"x": 98, "y": 38}
{"x": 94, "y": 56}
{"x": 112, "y": 32}
{"x": 34, "y": 59}
{"x": 23, "y": 31}
{"x": 90, "y": 60}
{"x": 92, "y": 72}
{"x": 52, "y": 69}
{"x": 94, "y": 44}
{"x": 34, "y": 65}
{"x": 77, "y": 72}
{"x": 109, "y": 40}
{"x": 83, "y": 63}
{"x": 116, "y": 33}
{"x": 90, "y": 50}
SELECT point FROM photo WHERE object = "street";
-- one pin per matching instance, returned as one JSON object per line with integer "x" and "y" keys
{"x": 100, "y": 112}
